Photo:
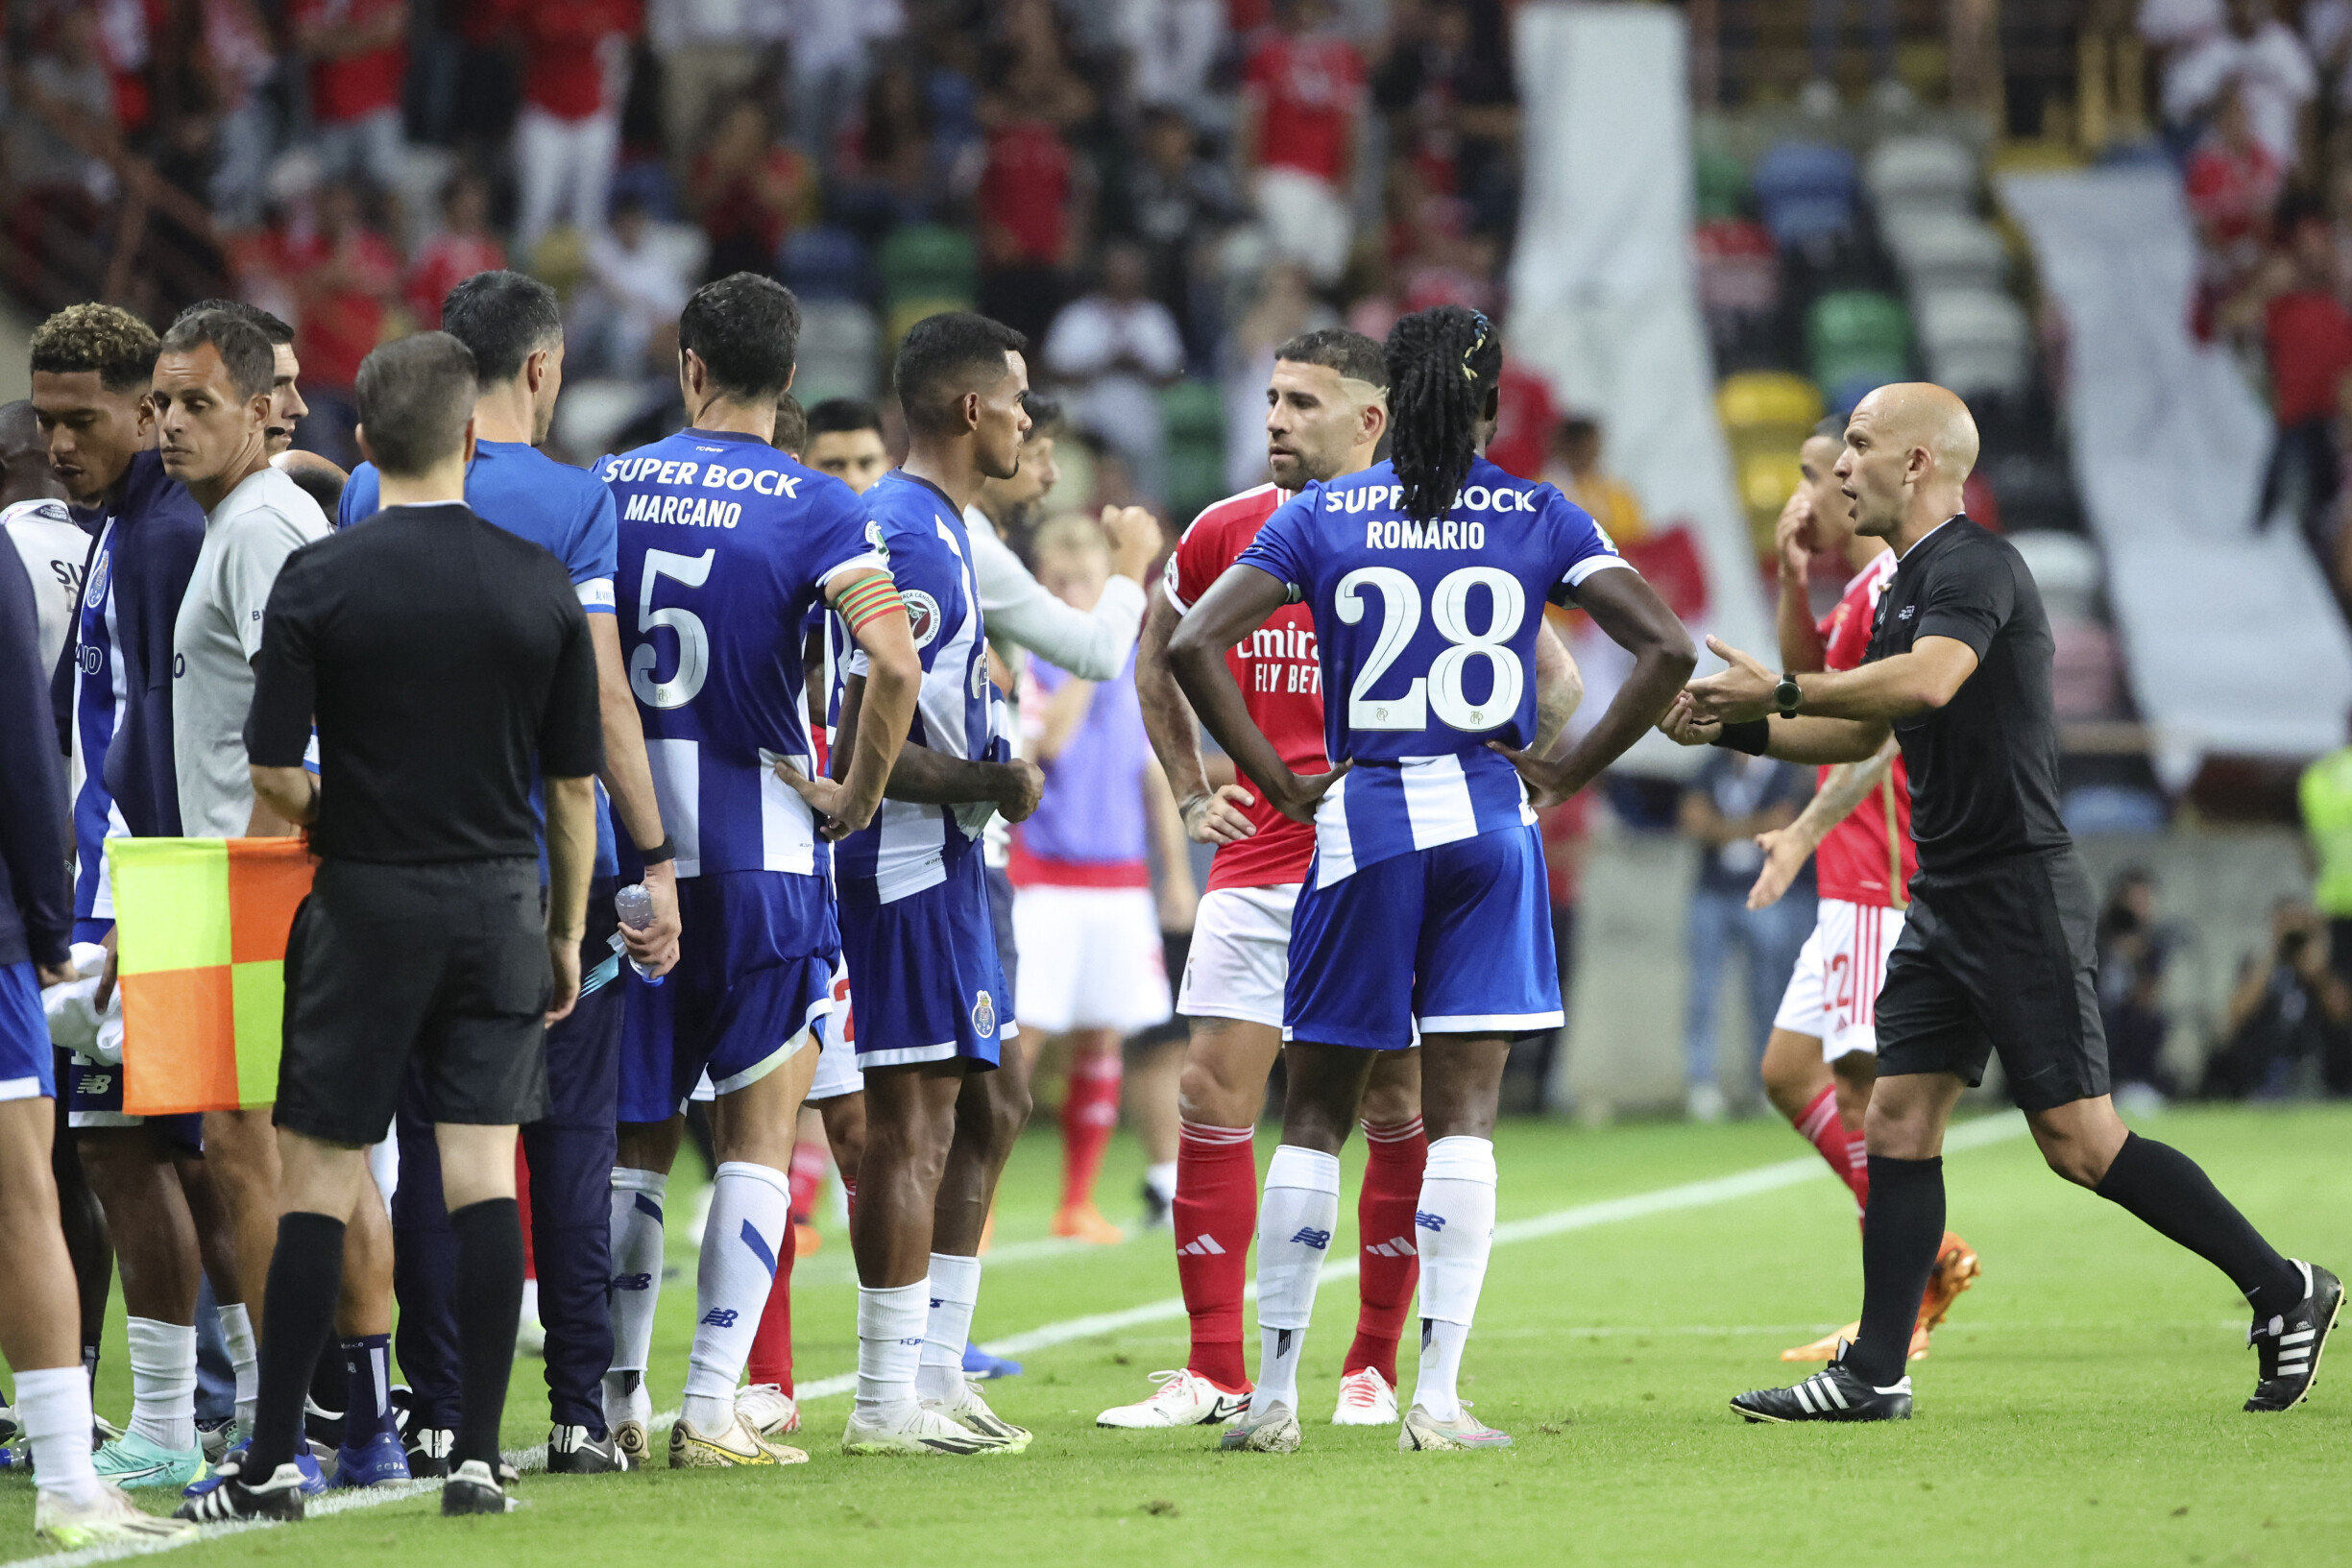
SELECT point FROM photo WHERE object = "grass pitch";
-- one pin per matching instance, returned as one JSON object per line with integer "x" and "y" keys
{"x": 2080, "y": 1406}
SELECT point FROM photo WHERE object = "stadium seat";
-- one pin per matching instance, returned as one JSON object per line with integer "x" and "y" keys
{"x": 1721, "y": 184}
{"x": 2065, "y": 568}
{"x": 1774, "y": 398}
{"x": 1767, "y": 477}
{"x": 1914, "y": 173}
{"x": 1940, "y": 251}
{"x": 1807, "y": 191}
{"x": 824, "y": 263}
{"x": 926, "y": 261}
{"x": 1976, "y": 340}
{"x": 1193, "y": 416}
{"x": 1857, "y": 340}
{"x": 841, "y": 351}
{"x": 1739, "y": 273}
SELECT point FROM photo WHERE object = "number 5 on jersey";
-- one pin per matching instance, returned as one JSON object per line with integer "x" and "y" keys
{"x": 693, "y": 637}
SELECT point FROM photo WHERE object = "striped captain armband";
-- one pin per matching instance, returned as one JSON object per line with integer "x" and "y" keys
{"x": 869, "y": 601}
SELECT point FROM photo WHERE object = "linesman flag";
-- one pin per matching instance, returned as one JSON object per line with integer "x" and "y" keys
{"x": 200, "y": 928}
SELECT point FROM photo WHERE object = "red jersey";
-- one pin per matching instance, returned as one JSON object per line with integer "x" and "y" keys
{"x": 1307, "y": 91}
{"x": 1281, "y": 674}
{"x": 576, "y": 55}
{"x": 1853, "y": 861}
{"x": 445, "y": 261}
{"x": 1025, "y": 194}
{"x": 355, "y": 85}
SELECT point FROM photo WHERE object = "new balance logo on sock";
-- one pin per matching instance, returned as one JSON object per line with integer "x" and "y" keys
{"x": 632, "y": 1281}
{"x": 720, "y": 1318}
{"x": 1200, "y": 1247}
{"x": 1401, "y": 1247}
{"x": 1427, "y": 1221}
{"x": 1309, "y": 1236}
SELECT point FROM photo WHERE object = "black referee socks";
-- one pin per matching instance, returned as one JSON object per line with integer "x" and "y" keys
{"x": 488, "y": 1307}
{"x": 1901, "y": 1229}
{"x": 2172, "y": 1195}
{"x": 299, "y": 1312}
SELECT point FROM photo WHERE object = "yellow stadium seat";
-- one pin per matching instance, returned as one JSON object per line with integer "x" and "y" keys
{"x": 1754, "y": 399}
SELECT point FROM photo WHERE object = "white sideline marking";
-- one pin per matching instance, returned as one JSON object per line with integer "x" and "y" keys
{"x": 1694, "y": 1194}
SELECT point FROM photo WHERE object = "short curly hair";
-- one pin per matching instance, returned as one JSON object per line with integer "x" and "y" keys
{"x": 103, "y": 338}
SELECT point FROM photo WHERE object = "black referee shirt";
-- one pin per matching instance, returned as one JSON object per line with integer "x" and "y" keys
{"x": 1983, "y": 767}
{"x": 445, "y": 660}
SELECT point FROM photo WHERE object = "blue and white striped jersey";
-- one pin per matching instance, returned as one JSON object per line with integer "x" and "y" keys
{"x": 1427, "y": 640}
{"x": 725, "y": 547}
{"x": 908, "y": 847}
{"x": 98, "y": 701}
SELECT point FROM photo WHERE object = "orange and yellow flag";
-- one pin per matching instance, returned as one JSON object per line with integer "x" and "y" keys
{"x": 201, "y": 931}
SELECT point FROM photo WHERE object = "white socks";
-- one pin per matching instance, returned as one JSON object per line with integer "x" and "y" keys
{"x": 751, "y": 1209}
{"x": 890, "y": 1324}
{"x": 1296, "y": 1216}
{"x": 637, "y": 1270}
{"x": 244, "y": 1359}
{"x": 531, "y": 1300}
{"x": 163, "y": 1383}
{"x": 53, "y": 1407}
{"x": 954, "y": 1290}
{"x": 1455, "y": 1228}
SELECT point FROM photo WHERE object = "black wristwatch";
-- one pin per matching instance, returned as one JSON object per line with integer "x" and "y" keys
{"x": 1786, "y": 695}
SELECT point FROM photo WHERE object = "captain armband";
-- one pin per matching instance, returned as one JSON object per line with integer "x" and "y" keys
{"x": 868, "y": 602}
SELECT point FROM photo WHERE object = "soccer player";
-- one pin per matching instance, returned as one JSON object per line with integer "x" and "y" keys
{"x": 1822, "y": 1056}
{"x": 91, "y": 371}
{"x": 513, "y": 327}
{"x": 916, "y": 931}
{"x": 72, "y": 1507}
{"x": 1997, "y": 954}
{"x": 1425, "y": 907}
{"x": 1326, "y": 412}
{"x": 46, "y": 539}
{"x": 725, "y": 545}
{"x": 844, "y": 440}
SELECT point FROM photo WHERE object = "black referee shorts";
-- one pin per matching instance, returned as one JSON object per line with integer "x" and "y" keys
{"x": 2000, "y": 958}
{"x": 445, "y": 965}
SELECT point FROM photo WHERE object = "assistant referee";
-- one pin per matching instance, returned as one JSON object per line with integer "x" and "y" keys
{"x": 1997, "y": 954}
{"x": 445, "y": 660}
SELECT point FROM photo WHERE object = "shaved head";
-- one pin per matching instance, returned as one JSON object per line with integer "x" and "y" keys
{"x": 1922, "y": 414}
{"x": 1908, "y": 450}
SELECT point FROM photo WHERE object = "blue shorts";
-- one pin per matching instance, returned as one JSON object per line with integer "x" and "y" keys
{"x": 94, "y": 1099}
{"x": 27, "y": 1066}
{"x": 754, "y": 972}
{"x": 1454, "y": 940}
{"x": 925, "y": 973}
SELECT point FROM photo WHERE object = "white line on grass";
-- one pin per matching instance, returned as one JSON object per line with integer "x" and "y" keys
{"x": 1693, "y": 1194}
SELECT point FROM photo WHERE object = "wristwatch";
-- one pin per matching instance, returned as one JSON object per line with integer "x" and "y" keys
{"x": 1786, "y": 695}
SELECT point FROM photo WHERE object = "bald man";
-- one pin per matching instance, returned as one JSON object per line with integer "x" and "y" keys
{"x": 1998, "y": 953}
{"x": 33, "y": 511}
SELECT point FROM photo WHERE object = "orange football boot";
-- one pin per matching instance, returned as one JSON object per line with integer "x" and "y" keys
{"x": 1955, "y": 1269}
{"x": 1084, "y": 1222}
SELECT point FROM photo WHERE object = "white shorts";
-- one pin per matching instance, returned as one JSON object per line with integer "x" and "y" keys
{"x": 1241, "y": 955}
{"x": 837, "y": 1065}
{"x": 1091, "y": 959}
{"x": 1834, "y": 995}
{"x": 1308, "y": 221}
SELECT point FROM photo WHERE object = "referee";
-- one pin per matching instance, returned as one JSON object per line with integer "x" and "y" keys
{"x": 1997, "y": 954}
{"x": 445, "y": 661}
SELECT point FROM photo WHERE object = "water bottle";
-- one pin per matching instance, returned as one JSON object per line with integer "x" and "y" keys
{"x": 633, "y": 905}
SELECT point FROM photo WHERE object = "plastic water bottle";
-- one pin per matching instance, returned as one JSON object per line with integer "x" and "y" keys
{"x": 633, "y": 905}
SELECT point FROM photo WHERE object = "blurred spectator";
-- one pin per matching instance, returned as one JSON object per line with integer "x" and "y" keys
{"x": 884, "y": 168}
{"x": 2327, "y": 33}
{"x": 1029, "y": 221}
{"x": 2172, "y": 25}
{"x": 237, "y": 60}
{"x": 575, "y": 74}
{"x": 1826, "y": 22}
{"x": 2325, "y": 796}
{"x": 358, "y": 56}
{"x": 1173, "y": 44}
{"x": 1733, "y": 798}
{"x": 65, "y": 84}
{"x": 747, "y": 191}
{"x": 346, "y": 277}
{"x": 831, "y": 42}
{"x": 2233, "y": 186}
{"x": 1447, "y": 85}
{"x": 1115, "y": 348}
{"x": 464, "y": 246}
{"x": 2289, "y": 1029}
{"x": 1575, "y": 467}
{"x": 2268, "y": 62}
{"x": 2133, "y": 950}
{"x": 1174, "y": 202}
{"x": 1302, "y": 94}
{"x": 635, "y": 288}
{"x": 710, "y": 51}
{"x": 2307, "y": 338}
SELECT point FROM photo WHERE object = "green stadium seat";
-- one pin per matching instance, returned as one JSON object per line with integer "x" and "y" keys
{"x": 1721, "y": 184}
{"x": 927, "y": 261}
{"x": 1856, "y": 338}
{"x": 1192, "y": 415}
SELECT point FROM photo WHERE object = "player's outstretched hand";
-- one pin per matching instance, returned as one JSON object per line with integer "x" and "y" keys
{"x": 1739, "y": 694}
{"x": 1021, "y": 786}
{"x": 1216, "y": 818}
{"x": 1683, "y": 725}
{"x": 822, "y": 796}
{"x": 1786, "y": 853}
{"x": 1300, "y": 794}
{"x": 1547, "y": 785}
{"x": 1134, "y": 539}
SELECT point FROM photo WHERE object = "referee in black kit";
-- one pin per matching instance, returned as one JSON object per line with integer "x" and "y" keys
{"x": 1997, "y": 954}
{"x": 445, "y": 660}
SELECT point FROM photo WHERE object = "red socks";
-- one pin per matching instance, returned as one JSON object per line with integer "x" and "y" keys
{"x": 1216, "y": 1217}
{"x": 522, "y": 1209}
{"x": 807, "y": 1176}
{"x": 1089, "y": 1115}
{"x": 1390, "y": 1258}
{"x": 1820, "y": 1128}
{"x": 771, "y": 1348}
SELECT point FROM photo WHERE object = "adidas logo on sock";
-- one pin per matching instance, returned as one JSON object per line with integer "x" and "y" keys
{"x": 1400, "y": 1246}
{"x": 1200, "y": 1247}
{"x": 1309, "y": 1236}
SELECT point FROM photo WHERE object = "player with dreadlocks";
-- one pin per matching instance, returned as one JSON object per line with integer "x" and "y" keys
{"x": 1425, "y": 908}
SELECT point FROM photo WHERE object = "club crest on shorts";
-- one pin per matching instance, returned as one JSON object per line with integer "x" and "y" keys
{"x": 922, "y": 615}
{"x": 984, "y": 1014}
